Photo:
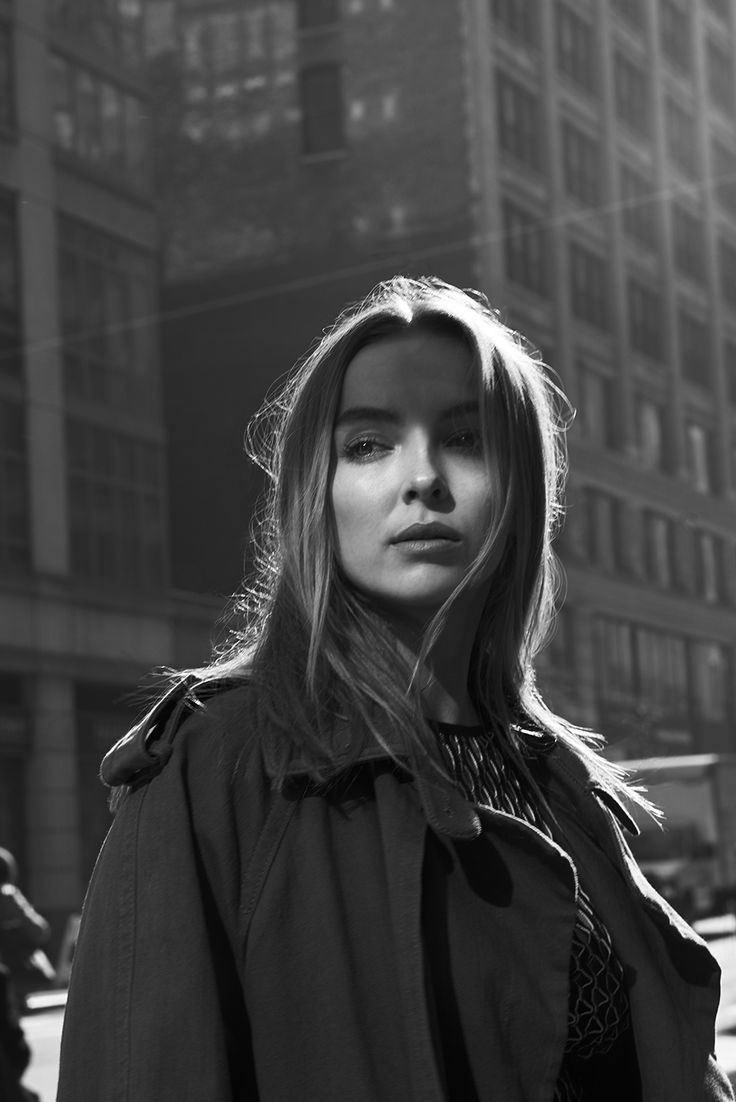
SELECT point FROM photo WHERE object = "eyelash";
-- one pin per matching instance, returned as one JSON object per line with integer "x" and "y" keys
{"x": 351, "y": 453}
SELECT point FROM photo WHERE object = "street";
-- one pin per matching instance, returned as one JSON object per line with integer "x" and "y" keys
{"x": 43, "y": 1028}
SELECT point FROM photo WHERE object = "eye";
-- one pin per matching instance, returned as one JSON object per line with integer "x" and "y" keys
{"x": 466, "y": 440}
{"x": 363, "y": 448}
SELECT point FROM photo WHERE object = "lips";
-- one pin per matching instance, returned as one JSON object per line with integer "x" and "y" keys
{"x": 433, "y": 531}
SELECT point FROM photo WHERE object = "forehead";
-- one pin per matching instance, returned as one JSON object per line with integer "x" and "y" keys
{"x": 412, "y": 367}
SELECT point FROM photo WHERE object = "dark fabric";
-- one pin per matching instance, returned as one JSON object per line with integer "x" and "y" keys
{"x": 240, "y": 943}
{"x": 15, "y": 1054}
{"x": 598, "y": 1011}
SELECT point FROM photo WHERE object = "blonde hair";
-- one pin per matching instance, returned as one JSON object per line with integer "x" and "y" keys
{"x": 312, "y": 644}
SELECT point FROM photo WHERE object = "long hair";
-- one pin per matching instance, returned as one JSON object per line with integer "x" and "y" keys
{"x": 313, "y": 645}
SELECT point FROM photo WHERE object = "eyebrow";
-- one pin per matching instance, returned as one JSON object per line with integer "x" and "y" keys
{"x": 390, "y": 417}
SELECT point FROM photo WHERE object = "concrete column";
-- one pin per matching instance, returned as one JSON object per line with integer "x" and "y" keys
{"x": 482, "y": 141}
{"x": 725, "y": 482}
{"x": 564, "y": 361}
{"x": 39, "y": 290}
{"x": 664, "y": 185}
{"x": 625, "y": 419}
{"x": 54, "y": 855}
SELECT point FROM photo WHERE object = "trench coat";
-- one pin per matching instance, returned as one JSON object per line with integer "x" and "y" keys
{"x": 243, "y": 943}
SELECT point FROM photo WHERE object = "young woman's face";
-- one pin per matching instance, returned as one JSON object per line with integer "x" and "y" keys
{"x": 411, "y": 494}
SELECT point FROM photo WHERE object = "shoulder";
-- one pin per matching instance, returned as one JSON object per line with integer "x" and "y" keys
{"x": 186, "y": 780}
{"x": 587, "y": 780}
{"x": 213, "y": 720}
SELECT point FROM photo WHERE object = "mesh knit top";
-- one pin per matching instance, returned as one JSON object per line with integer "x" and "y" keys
{"x": 598, "y": 1016}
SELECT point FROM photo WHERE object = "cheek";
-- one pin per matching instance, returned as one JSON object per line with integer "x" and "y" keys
{"x": 482, "y": 494}
{"x": 351, "y": 508}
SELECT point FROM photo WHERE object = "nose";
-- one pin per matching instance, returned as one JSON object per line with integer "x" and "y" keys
{"x": 424, "y": 480}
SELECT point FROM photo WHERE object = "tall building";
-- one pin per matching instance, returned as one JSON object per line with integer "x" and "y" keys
{"x": 576, "y": 160}
{"x": 84, "y": 603}
{"x": 607, "y": 161}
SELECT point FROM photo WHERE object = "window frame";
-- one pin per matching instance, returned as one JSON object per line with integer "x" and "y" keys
{"x": 336, "y": 142}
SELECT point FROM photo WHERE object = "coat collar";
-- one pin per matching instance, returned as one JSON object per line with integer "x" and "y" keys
{"x": 448, "y": 812}
{"x": 146, "y": 748}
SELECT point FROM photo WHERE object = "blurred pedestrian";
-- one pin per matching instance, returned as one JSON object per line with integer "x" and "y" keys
{"x": 358, "y": 857}
{"x": 15, "y": 1055}
{"x": 22, "y": 933}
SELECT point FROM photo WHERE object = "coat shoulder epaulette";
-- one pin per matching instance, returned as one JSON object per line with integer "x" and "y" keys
{"x": 145, "y": 749}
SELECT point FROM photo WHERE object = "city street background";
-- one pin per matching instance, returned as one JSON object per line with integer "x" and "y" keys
{"x": 43, "y": 1028}
{"x": 191, "y": 191}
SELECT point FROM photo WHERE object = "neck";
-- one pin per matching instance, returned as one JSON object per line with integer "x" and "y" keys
{"x": 443, "y": 676}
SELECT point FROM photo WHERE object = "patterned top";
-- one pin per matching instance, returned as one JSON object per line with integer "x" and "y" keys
{"x": 599, "y": 1009}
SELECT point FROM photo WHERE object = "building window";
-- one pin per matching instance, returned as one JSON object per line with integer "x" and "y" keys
{"x": 322, "y": 109}
{"x": 604, "y": 530}
{"x": 729, "y": 357}
{"x": 101, "y": 125}
{"x": 597, "y": 412}
{"x": 7, "y": 97}
{"x": 709, "y": 567}
{"x": 650, "y": 434}
{"x": 695, "y": 349}
{"x": 317, "y": 13}
{"x": 519, "y": 130}
{"x": 661, "y": 665}
{"x": 108, "y": 301}
{"x": 615, "y": 659}
{"x": 116, "y": 506}
{"x": 638, "y": 211}
{"x": 581, "y": 164}
{"x": 14, "y": 519}
{"x": 115, "y": 26}
{"x": 631, "y": 10}
{"x": 575, "y": 48}
{"x": 727, "y": 271}
{"x": 10, "y": 298}
{"x": 719, "y": 70}
{"x": 682, "y": 142}
{"x": 519, "y": 18}
{"x": 589, "y": 290}
{"x": 525, "y": 248}
{"x": 645, "y": 318}
{"x": 724, "y": 171}
{"x": 711, "y": 679}
{"x": 225, "y": 46}
{"x": 659, "y": 536}
{"x": 688, "y": 234}
{"x": 631, "y": 91}
{"x": 699, "y": 461}
{"x": 676, "y": 34}
{"x": 560, "y": 650}
{"x": 721, "y": 8}
{"x": 225, "y": 54}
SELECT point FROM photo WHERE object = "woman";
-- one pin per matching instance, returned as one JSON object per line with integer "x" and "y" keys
{"x": 357, "y": 857}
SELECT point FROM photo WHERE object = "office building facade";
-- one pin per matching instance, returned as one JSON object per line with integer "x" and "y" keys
{"x": 84, "y": 605}
{"x": 577, "y": 161}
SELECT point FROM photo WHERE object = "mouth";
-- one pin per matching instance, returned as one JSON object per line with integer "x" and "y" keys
{"x": 427, "y": 533}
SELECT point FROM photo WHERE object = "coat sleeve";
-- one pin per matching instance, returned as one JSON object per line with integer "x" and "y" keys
{"x": 155, "y": 1011}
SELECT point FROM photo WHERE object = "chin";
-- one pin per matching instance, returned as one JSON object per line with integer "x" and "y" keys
{"x": 411, "y": 605}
